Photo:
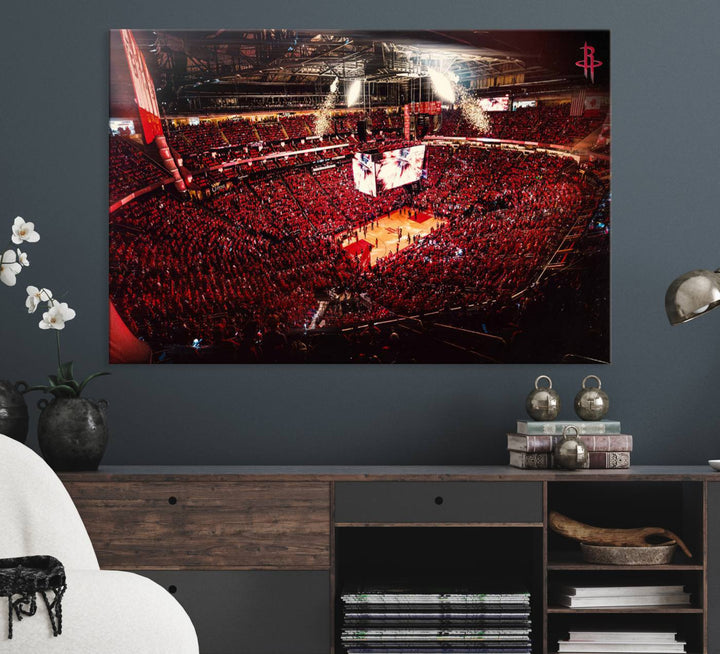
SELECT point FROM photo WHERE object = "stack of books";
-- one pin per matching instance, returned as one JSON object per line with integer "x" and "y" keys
{"x": 645, "y": 642}
{"x": 384, "y": 621}
{"x": 531, "y": 446}
{"x": 584, "y": 597}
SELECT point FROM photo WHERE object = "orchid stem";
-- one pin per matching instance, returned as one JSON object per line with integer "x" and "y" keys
{"x": 57, "y": 334}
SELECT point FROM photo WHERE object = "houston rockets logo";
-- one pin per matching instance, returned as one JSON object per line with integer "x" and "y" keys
{"x": 588, "y": 62}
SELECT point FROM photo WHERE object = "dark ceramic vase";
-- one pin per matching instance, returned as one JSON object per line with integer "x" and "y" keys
{"x": 72, "y": 433}
{"x": 13, "y": 410}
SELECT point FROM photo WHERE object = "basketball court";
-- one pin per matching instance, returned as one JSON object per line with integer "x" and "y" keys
{"x": 389, "y": 233}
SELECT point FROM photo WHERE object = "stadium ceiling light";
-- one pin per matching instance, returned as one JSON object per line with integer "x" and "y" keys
{"x": 354, "y": 92}
{"x": 442, "y": 85}
{"x": 691, "y": 295}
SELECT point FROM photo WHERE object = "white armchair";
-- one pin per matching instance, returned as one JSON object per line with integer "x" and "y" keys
{"x": 104, "y": 612}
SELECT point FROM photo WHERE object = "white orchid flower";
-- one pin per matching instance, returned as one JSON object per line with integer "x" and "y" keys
{"x": 9, "y": 267}
{"x": 22, "y": 258}
{"x": 36, "y": 296}
{"x": 22, "y": 231}
{"x": 56, "y": 316}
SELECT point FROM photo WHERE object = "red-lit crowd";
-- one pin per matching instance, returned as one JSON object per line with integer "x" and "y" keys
{"x": 209, "y": 143}
{"x": 130, "y": 169}
{"x": 506, "y": 215}
{"x": 544, "y": 123}
{"x": 261, "y": 255}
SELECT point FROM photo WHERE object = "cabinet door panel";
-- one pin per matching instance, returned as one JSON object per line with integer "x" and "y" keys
{"x": 257, "y": 612}
{"x": 713, "y": 571}
{"x": 244, "y": 525}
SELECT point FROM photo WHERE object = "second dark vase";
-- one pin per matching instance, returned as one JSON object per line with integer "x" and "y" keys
{"x": 72, "y": 433}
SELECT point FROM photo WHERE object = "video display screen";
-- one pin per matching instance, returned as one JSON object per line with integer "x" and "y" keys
{"x": 495, "y": 104}
{"x": 400, "y": 167}
{"x": 363, "y": 168}
{"x": 524, "y": 104}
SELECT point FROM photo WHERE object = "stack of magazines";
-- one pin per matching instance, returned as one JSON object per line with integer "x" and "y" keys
{"x": 387, "y": 621}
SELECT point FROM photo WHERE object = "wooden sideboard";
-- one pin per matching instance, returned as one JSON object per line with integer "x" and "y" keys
{"x": 258, "y": 555}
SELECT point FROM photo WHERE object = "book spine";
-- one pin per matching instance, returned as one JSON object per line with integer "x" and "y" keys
{"x": 593, "y": 442}
{"x": 531, "y": 427}
{"x": 531, "y": 443}
{"x": 545, "y": 460}
{"x": 508, "y": 599}
{"x": 607, "y": 442}
{"x": 604, "y": 461}
{"x": 530, "y": 461}
{"x": 417, "y": 634}
{"x": 608, "y": 460}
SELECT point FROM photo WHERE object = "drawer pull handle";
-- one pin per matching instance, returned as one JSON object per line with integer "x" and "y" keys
{"x": 172, "y": 589}
{"x": 172, "y": 500}
{"x": 439, "y": 500}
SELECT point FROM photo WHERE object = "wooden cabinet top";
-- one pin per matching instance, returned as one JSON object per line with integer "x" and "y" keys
{"x": 389, "y": 473}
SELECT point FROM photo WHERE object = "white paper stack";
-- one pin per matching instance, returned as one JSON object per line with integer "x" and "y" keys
{"x": 622, "y": 642}
{"x": 583, "y": 597}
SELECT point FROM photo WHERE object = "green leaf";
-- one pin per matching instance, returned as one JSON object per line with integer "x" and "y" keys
{"x": 44, "y": 389}
{"x": 54, "y": 381}
{"x": 65, "y": 371}
{"x": 63, "y": 391}
{"x": 88, "y": 379}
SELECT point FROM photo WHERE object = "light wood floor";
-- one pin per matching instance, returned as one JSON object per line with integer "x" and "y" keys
{"x": 386, "y": 232}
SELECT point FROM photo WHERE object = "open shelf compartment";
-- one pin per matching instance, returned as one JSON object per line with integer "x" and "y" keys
{"x": 687, "y": 626}
{"x": 675, "y": 506}
{"x": 489, "y": 559}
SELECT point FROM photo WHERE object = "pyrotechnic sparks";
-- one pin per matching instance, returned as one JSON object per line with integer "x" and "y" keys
{"x": 446, "y": 87}
{"x": 472, "y": 111}
{"x": 323, "y": 120}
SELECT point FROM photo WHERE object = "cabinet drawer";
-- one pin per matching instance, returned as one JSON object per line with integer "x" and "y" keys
{"x": 254, "y": 611}
{"x": 171, "y": 525}
{"x": 426, "y": 502}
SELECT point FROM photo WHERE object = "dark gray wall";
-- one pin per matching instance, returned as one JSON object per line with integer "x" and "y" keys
{"x": 663, "y": 382}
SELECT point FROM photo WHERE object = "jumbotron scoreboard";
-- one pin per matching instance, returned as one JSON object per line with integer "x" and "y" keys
{"x": 375, "y": 174}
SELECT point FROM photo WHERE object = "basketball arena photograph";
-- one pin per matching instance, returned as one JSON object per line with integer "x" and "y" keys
{"x": 285, "y": 196}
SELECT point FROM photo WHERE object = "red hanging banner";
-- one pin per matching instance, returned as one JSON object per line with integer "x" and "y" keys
{"x": 144, "y": 88}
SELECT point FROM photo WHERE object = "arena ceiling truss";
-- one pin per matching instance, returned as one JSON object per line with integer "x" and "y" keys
{"x": 287, "y": 57}
{"x": 243, "y": 69}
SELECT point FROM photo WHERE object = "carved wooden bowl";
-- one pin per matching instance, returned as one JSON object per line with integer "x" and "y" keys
{"x": 622, "y": 555}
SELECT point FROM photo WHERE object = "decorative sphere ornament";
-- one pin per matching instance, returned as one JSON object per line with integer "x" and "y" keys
{"x": 570, "y": 452}
{"x": 543, "y": 403}
{"x": 591, "y": 403}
